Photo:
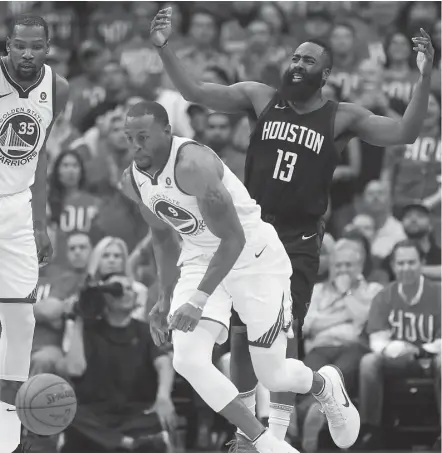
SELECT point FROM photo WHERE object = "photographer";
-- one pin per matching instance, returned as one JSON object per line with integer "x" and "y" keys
{"x": 122, "y": 381}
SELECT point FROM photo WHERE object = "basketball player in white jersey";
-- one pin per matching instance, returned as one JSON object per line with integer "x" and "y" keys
{"x": 229, "y": 257}
{"x": 31, "y": 96}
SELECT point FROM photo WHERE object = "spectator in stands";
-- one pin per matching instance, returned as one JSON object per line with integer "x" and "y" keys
{"x": 115, "y": 80}
{"x": 332, "y": 330}
{"x": 366, "y": 225}
{"x": 55, "y": 296}
{"x": 72, "y": 207}
{"x": 137, "y": 56}
{"x": 202, "y": 50}
{"x": 318, "y": 25}
{"x": 86, "y": 91}
{"x": 389, "y": 231}
{"x": 413, "y": 171}
{"x": 109, "y": 157}
{"x": 403, "y": 325}
{"x": 218, "y": 136}
{"x": 122, "y": 381}
{"x": 345, "y": 76}
{"x": 111, "y": 256}
{"x": 61, "y": 136}
{"x": 417, "y": 225}
{"x": 263, "y": 57}
{"x": 370, "y": 95}
{"x": 400, "y": 73}
{"x": 198, "y": 115}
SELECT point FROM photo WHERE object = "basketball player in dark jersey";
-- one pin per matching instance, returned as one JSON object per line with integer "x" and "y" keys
{"x": 293, "y": 152}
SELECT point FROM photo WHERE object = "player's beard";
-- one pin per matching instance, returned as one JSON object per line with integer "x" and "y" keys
{"x": 417, "y": 234}
{"x": 300, "y": 91}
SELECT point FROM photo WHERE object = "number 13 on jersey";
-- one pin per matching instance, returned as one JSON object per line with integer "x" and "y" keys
{"x": 285, "y": 174}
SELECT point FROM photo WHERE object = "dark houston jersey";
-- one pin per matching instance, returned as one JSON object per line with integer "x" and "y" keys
{"x": 290, "y": 162}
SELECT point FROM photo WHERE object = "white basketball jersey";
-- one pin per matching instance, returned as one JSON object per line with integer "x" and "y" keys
{"x": 25, "y": 116}
{"x": 161, "y": 194}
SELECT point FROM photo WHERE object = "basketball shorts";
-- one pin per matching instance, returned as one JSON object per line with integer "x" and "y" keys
{"x": 258, "y": 288}
{"x": 18, "y": 252}
{"x": 303, "y": 246}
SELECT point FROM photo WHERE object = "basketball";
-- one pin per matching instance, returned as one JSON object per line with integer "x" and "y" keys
{"x": 46, "y": 404}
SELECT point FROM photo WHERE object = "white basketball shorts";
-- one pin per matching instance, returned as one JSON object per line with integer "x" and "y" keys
{"x": 258, "y": 288}
{"x": 18, "y": 252}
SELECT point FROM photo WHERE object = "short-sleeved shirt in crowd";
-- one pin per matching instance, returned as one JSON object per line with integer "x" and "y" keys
{"x": 78, "y": 212}
{"x": 399, "y": 88}
{"x": 85, "y": 95}
{"x": 110, "y": 24}
{"x": 418, "y": 324}
{"x": 415, "y": 170}
{"x": 119, "y": 217}
{"x": 345, "y": 80}
{"x": 120, "y": 364}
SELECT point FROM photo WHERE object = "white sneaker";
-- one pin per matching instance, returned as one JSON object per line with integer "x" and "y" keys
{"x": 342, "y": 416}
{"x": 267, "y": 443}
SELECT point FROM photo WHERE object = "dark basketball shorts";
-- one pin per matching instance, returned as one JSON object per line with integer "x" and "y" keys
{"x": 303, "y": 245}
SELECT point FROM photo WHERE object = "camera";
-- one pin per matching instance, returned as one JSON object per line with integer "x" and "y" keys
{"x": 92, "y": 298}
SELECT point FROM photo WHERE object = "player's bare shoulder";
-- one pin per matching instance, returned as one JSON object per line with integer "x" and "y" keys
{"x": 195, "y": 167}
{"x": 347, "y": 115}
{"x": 259, "y": 94}
{"x": 62, "y": 94}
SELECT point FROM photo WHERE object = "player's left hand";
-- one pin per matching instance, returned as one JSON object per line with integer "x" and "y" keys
{"x": 186, "y": 318}
{"x": 44, "y": 246}
{"x": 425, "y": 52}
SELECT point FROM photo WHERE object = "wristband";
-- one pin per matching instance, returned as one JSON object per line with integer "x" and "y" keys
{"x": 199, "y": 299}
{"x": 163, "y": 46}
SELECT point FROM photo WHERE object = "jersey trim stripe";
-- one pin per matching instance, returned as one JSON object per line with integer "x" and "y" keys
{"x": 22, "y": 92}
{"x": 176, "y": 162}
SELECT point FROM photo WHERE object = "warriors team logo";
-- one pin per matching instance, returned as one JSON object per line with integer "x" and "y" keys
{"x": 19, "y": 138}
{"x": 181, "y": 220}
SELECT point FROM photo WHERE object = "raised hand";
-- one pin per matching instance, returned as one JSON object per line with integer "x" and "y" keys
{"x": 161, "y": 27}
{"x": 425, "y": 52}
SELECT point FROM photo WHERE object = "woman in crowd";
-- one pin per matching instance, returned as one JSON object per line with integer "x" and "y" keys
{"x": 400, "y": 74}
{"x": 110, "y": 256}
{"x": 71, "y": 206}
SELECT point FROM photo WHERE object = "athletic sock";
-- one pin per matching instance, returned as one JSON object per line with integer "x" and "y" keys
{"x": 10, "y": 428}
{"x": 279, "y": 419}
{"x": 249, "y": 399}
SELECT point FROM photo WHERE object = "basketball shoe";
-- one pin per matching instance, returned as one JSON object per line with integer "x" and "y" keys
{"x": 241, "y": 445}
{"x": 342, "y": 416}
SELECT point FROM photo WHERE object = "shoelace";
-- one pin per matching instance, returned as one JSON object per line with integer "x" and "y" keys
{"x": 333, "y": 413}
{"x": 233, "y": 445}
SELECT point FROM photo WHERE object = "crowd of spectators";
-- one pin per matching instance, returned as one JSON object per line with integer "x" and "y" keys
{"x": 379, "y": 277}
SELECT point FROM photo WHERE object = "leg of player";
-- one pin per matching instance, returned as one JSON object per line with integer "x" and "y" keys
{"x": 243, "y": 377}
{"x": 281, "y": 404}
{"x": 193, "y": 360}
{"x": 17, "y": 321}
{"x": 279, "y": 374}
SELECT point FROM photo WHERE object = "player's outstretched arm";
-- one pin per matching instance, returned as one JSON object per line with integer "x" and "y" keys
{"x": 199, "y": 173}
{"x": 382, "y": 131}
{"x": 233, "y": 98}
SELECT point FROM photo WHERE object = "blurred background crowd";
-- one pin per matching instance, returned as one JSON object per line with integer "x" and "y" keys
{"x": 380, "y": 197}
